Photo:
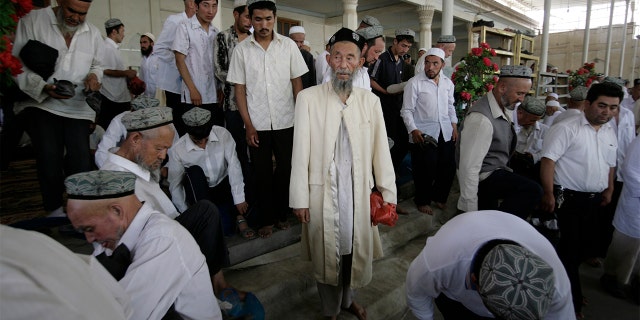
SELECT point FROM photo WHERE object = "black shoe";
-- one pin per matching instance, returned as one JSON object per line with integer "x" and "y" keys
{"x": 611, "y": 285}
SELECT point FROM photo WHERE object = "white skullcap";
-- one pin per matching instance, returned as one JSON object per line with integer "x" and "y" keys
{"x": 435, "y": 52}
{"x": 150, "y": 36}
{"x": 552, "y": 94}
{"x": 553, "y": 103}
{"x": 296, "y": 29}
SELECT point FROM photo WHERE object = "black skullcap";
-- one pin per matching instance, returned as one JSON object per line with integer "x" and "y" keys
{"x": 346, "y": 34}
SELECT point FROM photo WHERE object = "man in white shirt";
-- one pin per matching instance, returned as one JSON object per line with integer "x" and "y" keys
{"x": 150, "y": 135}
{"x": 59, "y": 125}
{"x": 115, "y": 94}
{"x": 321, "y": 64}
{"x": 266, "y": 70}
{"x": 487, "y": 140}
{"x": 42, "y": 279}
{"x": 481, "y": 275}
{"x": 334, "y": 160}
{"x": 624, "y": 249}
{"x": 429, "y": 115}
{"x": 163, "y": 59}
{"x": 553, "y": 110}
{"x": 165, "y": 272}
{"x": 577, "y": 173}
{"x": 529, "y": 133}
{"x": 193, "y": 47}
{"x": 148, "y": 73}
{"x": 203, "y": 165}
{"x": 448, "y": 44}
{"x": 576, "y": 104}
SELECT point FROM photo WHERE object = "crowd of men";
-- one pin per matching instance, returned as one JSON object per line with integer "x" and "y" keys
{"x": 254, "y": 122}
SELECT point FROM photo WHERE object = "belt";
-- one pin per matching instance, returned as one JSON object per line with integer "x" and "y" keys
{"x": 573, "y": 193}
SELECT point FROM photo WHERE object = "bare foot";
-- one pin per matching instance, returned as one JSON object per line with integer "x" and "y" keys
{"x": 441, "y": 205}
{"x": 425, "y": 209}
{"x": 357, "y": 310}
{"x": 266, "y": 231}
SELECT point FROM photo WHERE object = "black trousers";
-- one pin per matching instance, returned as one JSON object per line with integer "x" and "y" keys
{"x": 433, "y": 169}
{"x": 174, "y": 101}
{"x": 272, "y": 185}
{"x": 110, "y": 109}
{"x": 519, "y": 195}
{"x": 52, "y": 135}
{"x": 454, "y": 310}
{"x": 578, "y": 223}
{"x": 397, "y": 131}
{"x": 202, "y": 220}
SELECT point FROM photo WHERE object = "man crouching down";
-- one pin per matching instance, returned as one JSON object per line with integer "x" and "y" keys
{"x": 331, "y": 182}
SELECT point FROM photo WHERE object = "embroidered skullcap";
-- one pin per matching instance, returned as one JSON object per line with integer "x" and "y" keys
{"x": 196, "y": 117}
{"x": 435, "y": 52}
{"x": 579, "y": 93}
{"x": 515, "y": 72}
{"x": 150, "y": 36}
{"x": 239, "y": 3}
{"x": 615, "y": 80}
{"x": 145, "y": 119}
{"x": 296, "y": 29}
{"x": 346, "y": 34}
{"x": 447, "y": 38}
{"x": 100, "y": 184}
{"x": 113, "y": 22}
{"x": 250, "y": 2}
{"x": 143, "y": 102}
{"x": 405, "y": 32}
{"x": 533, "y": 106}
{"x": 514, "y": 283}
{"x": 371, "y": 32}
{"x": 552, "y": 94}
{"x": 370, "y": 21}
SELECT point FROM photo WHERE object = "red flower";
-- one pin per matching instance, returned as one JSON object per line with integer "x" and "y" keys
{"x": 476, "y": 51}
{"x": 453, "y": 75}
{"x": 484, "y": 45}
{"x": 489, "y": 87}
{"x": 495, "y": 78}
{"x": 11, "y": 63}
{"x": 487, "y": 62}
{"x": 493, "y": 52}
{"x": 568, "y": 71}
{"x": 588, "y": 83}
{"x": 495, "y": 67}
{"x": 465, "y": 95}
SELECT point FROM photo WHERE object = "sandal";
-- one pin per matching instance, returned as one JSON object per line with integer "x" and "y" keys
{"x": 246, "y": 232}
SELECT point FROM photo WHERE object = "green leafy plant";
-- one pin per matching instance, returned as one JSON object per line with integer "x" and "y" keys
{"x": 10, "y": 12}
{"x": 474, "y": 77}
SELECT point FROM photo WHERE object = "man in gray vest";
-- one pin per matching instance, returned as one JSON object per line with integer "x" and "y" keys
{"x": 487, "y": 141}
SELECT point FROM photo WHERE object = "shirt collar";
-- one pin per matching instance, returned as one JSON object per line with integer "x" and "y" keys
{"x": 496, "y": 111}
{"x": 130, "y": 166}
{"x": 276, "y": 37}
{"x": 191, "y": 146}
{"x": 111, "y": 42}
{"x": 132, "y": 234}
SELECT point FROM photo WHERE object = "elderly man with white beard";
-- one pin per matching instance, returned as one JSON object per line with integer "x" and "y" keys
{"x": 331, "y": 183}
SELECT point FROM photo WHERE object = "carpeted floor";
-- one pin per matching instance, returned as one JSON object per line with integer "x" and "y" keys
{"x": 20, "y": 197}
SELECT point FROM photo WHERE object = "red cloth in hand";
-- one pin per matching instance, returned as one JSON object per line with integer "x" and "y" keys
{"x": 381, "y": 213}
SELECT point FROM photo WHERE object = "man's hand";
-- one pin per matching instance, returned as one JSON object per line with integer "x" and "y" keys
{"x": 196, "y": 98}
{"x": 417, "y": 136}
{"x": 454, "y": 136}
{"x": 252, "y": 137}
{"x": 91, "y": 83}
{"x": 51, "y": 91}
{"x": 548, "y": 202}
{"x": 130, "y": 74}
{"x": 242, "y": 207}
{"x": 302, "y": 214}
{"x": 607, "y": 194}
